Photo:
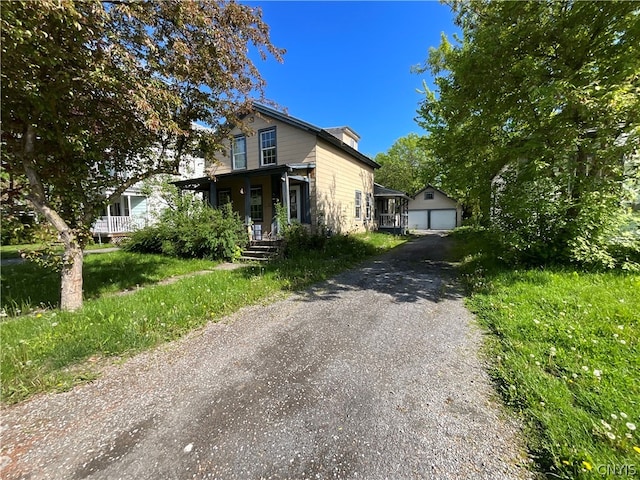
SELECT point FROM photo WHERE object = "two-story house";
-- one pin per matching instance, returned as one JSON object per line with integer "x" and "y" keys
{"x": 317, "y": 174}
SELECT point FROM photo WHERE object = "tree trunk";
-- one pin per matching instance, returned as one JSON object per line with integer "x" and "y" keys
{"x": 71, "y": 277}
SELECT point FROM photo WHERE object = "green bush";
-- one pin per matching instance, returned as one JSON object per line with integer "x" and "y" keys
{"x": 191, "y": 229}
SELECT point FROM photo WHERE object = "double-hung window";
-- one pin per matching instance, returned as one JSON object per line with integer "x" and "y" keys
{"x": 358, "y": 204}
{"x": 368, "y": 206}
{"x": 239, "y": 152}
{"x": 268, "y": 147}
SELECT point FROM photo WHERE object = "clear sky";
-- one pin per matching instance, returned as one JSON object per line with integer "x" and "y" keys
{"x": 349, "y": 63}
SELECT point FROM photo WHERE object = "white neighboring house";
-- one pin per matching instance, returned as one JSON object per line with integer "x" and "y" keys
{"x": 137, "y": 207}
{"x": 432, "y": 209}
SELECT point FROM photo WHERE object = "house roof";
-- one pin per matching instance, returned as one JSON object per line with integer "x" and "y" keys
{"x": 201, "y": 183}
{"x": 434, "y": 188}
{"x": 317, "y": 131}
{"x": 380, "y": 191}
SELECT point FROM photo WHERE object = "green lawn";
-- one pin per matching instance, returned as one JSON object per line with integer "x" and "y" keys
{"x": 47, "y": 350}
{"x": 13, "y": 251}
{"x": 564, "y": 351}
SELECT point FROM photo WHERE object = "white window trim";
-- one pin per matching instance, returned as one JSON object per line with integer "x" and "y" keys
{"x": 358, "y": 205}
{"x": 233, "y": 153}
{"x": 261, "y": 149}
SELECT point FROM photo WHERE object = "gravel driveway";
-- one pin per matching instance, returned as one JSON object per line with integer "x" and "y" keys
{"x": 372, "y": 375}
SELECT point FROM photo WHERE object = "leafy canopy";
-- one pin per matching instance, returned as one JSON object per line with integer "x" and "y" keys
{"x": 98, "y": 95}
{"x": 407, "y": 166}
{"x": 536, "y": 117}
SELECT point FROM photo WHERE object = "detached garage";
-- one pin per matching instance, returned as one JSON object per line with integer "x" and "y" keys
{"x": 432, "y": 209}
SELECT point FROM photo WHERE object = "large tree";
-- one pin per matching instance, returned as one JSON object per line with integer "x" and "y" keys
{"x": 98, "y": 95}
{"x": 536, "y": 110}
{"x": 407, "y": 166}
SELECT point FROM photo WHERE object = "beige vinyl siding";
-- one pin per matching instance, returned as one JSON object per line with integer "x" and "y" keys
{"x": 438, "y": 202}
{"x": 292, "y": 145}
{"x": 338, "y": 177}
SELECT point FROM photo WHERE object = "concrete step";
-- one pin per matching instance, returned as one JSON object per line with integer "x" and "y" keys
{"x": 262, "y": 250}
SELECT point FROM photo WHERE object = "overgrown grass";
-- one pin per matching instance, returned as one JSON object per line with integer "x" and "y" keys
{"x": 48, "y": 351}
{"x": 565, "y": 354}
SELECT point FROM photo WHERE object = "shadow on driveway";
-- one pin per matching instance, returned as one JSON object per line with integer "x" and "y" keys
{"x": 417, "y": 270}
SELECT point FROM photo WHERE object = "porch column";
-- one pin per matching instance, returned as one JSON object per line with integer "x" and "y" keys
{"x": 306, "y": 203}
{"x": 213, "y": 195}
{"x": 285, "y": 196}
{"x": 109, "y": 218}
{"x": 247, "y": 201}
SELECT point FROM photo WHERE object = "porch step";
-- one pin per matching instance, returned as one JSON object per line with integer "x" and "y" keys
{"x": 262, "y": 251}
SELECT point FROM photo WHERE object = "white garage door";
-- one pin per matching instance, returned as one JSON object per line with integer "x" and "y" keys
{"x": 418, "y": 219}
{"x": 443, "y": 219}
{"x": 440, "y": 219}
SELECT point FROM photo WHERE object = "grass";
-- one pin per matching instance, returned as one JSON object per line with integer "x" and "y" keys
{"x": 13, "y": 251}
{"x": 48, "y": 350}
{"x": 27, "y": 286}
{"x": 565, "y": 354}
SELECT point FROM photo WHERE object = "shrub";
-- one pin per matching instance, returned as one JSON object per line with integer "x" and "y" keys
{"x": 191, "y": 229}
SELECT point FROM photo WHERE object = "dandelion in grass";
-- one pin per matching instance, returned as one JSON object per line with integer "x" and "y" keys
{"x": 637, "y": 449}
{"x": 587, "y": 465}
{"x": 611, "y": 436}
{"x": 552, "y": 351}
{"x": 631, "y": 426}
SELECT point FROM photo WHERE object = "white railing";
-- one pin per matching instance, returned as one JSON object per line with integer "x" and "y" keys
{"x": 120, "y": 224}
{"x": 390, "y": 220}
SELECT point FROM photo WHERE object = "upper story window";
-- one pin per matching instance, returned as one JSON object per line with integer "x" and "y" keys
{"x": 239, "y": 152}
{"x": 268, "y": 147}
{"x": 428, "y": 195}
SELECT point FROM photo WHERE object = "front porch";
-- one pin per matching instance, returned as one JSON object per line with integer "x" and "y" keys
{"x": 392, "y": 210}
{"x": 255, "y": 194}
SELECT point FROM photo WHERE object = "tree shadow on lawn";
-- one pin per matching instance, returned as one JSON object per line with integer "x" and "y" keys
{"x": 29, "y": 285}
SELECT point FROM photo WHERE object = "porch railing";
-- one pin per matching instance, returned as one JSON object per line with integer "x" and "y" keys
{"x": 118, "y": 224}
{"x": 391, "y": 220}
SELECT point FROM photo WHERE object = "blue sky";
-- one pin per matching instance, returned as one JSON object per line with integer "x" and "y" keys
{"x": 349, "y": 63}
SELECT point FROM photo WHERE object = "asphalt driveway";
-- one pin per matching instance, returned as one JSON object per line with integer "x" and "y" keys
{"x": 372, "y": 375}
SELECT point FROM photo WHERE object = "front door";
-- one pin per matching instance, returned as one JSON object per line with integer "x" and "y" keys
{"x": 294, "y": 203}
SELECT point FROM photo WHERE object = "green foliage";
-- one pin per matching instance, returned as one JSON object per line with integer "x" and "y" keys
{"x": 535, "y": 123}
{"x": 98, "y": 96}
{"x": 192, "y": 229}
{"x": 407, "y": 166}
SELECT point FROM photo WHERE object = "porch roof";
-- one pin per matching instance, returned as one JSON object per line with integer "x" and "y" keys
{"x": 384, "y": 192}
{"x": 202, "y": 183}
